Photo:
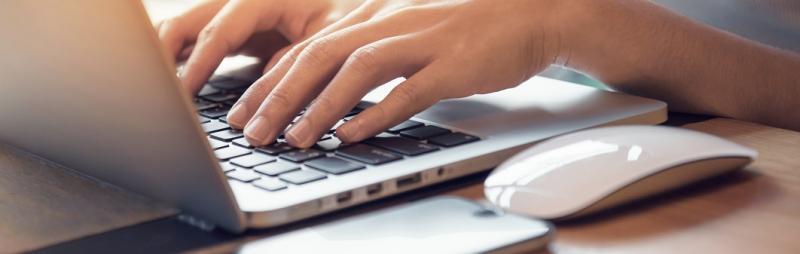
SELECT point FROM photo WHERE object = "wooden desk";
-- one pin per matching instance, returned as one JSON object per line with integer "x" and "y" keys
{"x": 755, "y": 211}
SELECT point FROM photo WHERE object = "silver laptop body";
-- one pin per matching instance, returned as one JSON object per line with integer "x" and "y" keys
{"x": 86, "y": 85}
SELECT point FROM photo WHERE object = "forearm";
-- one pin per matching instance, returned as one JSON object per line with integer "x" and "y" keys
{"x": 640, "y": 48}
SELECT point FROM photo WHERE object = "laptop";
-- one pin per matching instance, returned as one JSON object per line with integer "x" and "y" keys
{"x": 88, "y": 86}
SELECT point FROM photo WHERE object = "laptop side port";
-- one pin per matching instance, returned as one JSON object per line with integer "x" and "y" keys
{"x": 344, "y": 197}
{"x": 374, "y": 189}
{"x": 409, "y": 180}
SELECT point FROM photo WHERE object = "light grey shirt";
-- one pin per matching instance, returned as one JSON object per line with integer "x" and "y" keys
{"x": 773, "y": 22}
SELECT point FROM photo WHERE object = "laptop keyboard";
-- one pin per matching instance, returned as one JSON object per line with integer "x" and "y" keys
{"x": 279, "y": 166}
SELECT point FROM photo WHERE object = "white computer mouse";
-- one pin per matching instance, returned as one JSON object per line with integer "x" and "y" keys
{"x": 588, "y": 171}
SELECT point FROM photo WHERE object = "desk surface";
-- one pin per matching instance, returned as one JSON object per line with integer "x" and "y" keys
{"x": 753, "y": 211}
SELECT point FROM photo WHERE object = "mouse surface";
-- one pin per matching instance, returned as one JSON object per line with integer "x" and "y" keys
{"x": 587, "y": 171}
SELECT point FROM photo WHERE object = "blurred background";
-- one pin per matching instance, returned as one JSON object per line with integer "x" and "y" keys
{"x": 773, "y": 22}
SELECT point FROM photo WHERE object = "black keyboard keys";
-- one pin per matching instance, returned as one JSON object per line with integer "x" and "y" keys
{"x": 401, "y": 145}
{"x": 368, "y": 154}
{"x": 425, "y": 132}
{"x": 227, "y": 135}
{"x": 302, "y": 155}
{"x": 276, "y": 168}
{"x": 302, "y": 176}
{"x": 229, "y": 83}
{"x": 201, "y": 105}
{"x": 214, "y": 113}
{"x": 453, "y": 139}
{"x": 407, "y": 125}
{"x": 221, "y": 97}
{"x": 334, "y": 165}
{"x": 275, "y": 148}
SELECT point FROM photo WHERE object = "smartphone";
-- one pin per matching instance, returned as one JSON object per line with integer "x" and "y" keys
{"x": 435, "y": 225}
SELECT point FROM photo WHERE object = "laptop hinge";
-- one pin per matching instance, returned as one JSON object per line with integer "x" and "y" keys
{"x": 196, "y": 222}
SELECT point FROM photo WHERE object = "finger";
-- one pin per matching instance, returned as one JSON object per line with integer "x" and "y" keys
{"x": 366, "y": 68}
{"x": 177, "y": 32}
{"x": 244, "y": 109}
{"x": 407, "y": 99}
{"x": 227, "y": 31}
{"x": 315, "y": 65}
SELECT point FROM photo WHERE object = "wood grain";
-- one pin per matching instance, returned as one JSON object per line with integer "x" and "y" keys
{"x": 756, "y": 210}
{"x": 43, "y": 204}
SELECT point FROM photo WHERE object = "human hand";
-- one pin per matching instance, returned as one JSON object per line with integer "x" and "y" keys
{"x": 447, "y": 49}
{"x": 213, "y": 29}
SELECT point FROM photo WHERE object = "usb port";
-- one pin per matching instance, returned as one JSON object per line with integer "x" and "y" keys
{"x": 409, "y": 180}
{"x": 374, "y": 189}
{"x": 344, "y": 197}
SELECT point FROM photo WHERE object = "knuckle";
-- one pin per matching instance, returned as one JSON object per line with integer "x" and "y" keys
{"x": 407, "y": 93}
{"x": 210, "y": 35}
{"x": 319, "y": 50}
{"x": 278, "y": 98}
{"x": 364, "y": 59}
{"x": 324, "y": 103}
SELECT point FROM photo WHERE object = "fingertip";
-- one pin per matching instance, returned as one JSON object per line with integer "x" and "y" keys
{"x": 350, "y": 131}
{"x": 257, "y": 132}
{"x": 237, "y": 117}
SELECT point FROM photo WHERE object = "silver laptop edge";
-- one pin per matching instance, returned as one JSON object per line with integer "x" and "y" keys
{"x": 89, "y": 87}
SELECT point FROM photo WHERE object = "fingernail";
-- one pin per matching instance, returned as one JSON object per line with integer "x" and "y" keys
{"x": 258, "y": 130}
{"x": 299, "y": 135}
{"x": 237, "y": 117}
{"x": 349, "y": 131}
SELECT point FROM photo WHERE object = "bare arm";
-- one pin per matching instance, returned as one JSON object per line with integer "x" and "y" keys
{"x": 641, "y": 48}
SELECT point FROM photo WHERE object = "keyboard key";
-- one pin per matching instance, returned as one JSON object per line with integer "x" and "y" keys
{"x": 221, "y": 97}
{"x": 226, "y": 167}
{"x": 203, "y": 119}
{"x": 231, "y": 152}
{"x": 335, "y": 126}
{"x": 216, "y": 144}
{"x": 252, "y": 160}
{"x": 214, "y": 113}
{"x": 201, "y": 105}
{"x": 243, "y": 175}
{"x": 302, "y": 176}
{"x": 401, "y": 145}
{"x": 407, "y": 125}
{"x": 334, "y": 165}
{"x": 276, "y": 168}
{"x": 302, "y": 155}
{"x": 230, "y": 84}
{"x": 367, "y": 154}
{"x": 270, "y": 184}
{"x": 207, "y": 90}
{"x": 363, "y": 105}
{"x": 425, "y": 132}
{"x": 214, "y": 126}
{"x": 275, "y": 148}
{"x": 453, "y": 139}
{"x": 329, "y": 144}
{"x": 227, "y": 135}
{"x": 243, "y": 143}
